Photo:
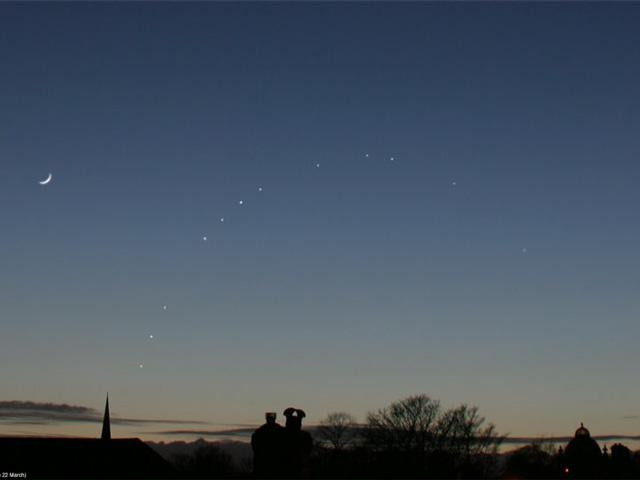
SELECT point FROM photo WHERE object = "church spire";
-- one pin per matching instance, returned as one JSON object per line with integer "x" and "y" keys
{"x": 106, "y": 422}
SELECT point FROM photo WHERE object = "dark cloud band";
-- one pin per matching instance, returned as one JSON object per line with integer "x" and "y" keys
{"x": 16, "y": 412}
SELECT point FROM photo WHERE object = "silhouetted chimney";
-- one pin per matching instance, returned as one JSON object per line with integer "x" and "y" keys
{"x": 106, "y": 422}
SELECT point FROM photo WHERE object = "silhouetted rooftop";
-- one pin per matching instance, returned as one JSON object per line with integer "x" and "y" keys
{"x": 72, "y": 458}
{"x": 582, "y": 431}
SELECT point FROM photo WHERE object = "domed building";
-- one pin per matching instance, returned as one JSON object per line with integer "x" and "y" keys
{"x": 582, "y": 444}
{"x": 582, "y": 432}
{"x": 582, "y": 456}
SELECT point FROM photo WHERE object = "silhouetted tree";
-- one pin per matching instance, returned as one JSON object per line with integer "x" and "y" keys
{"x": 407, "y": 425}
{"x": 621, "y": 462}
{"x": 337, "y": 430}
{"x": 530, "y": 461}
{"x": 413, "y": 437}
{"x": 463, "y": 434}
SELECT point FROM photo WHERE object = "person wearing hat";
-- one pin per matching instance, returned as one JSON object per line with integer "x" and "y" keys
{"x": 297, "y": 444}
{"x": 267, "y": 442}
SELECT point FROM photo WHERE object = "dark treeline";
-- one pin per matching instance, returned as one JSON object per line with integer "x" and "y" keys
{"x": 411, "y": 438}
{"x": 416, "y": 438}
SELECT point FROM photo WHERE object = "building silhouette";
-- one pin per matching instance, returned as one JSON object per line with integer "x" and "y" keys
{"x": 75, "y": 458}
{"x": 582, "y": 457}
{"x": 106, "y": 422}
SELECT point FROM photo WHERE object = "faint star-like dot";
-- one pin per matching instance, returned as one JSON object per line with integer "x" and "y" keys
{"x": 222, "y": 219}
{"x": 164, "y": 307}
{"x": 524, "y": 250}
{"x": 366, "y": 155}
{"x": 151, "y": 337}
{"x": 392, "y": 158}
{"x": 317, "y": 165}
{"x": 241, "y": 202}
{"x": 259, "y": 189}
{"x": 453, "y": 184}
{"x": 204, "y": 238}
{"x": 141, "y": 365}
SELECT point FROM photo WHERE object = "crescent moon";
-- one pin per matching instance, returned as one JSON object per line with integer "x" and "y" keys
{"x": 46, "y": 180}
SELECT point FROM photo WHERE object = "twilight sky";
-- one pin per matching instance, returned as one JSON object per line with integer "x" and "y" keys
{"x": 493, "y": 261}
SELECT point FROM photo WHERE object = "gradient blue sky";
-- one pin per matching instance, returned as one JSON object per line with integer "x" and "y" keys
{"x": 342, "y": 287}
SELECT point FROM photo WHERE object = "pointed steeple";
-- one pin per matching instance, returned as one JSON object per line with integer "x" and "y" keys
{"x": 106, "y": 422}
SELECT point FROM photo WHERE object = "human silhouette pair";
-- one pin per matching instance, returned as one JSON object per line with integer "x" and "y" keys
{"x": 281, "y": 451}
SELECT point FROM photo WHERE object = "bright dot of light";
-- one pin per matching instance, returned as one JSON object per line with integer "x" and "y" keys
{"x": 164, "y": 307}
{"x": 222, "y": 219}
{"x": 141, "y": 365}
{"x": 204, "y": 238}
{"x": 317, "y": 165}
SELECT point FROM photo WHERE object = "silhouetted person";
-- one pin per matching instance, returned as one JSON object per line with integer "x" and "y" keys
{"x": 297, "y": 444}
{"x": 267, "y": 444}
